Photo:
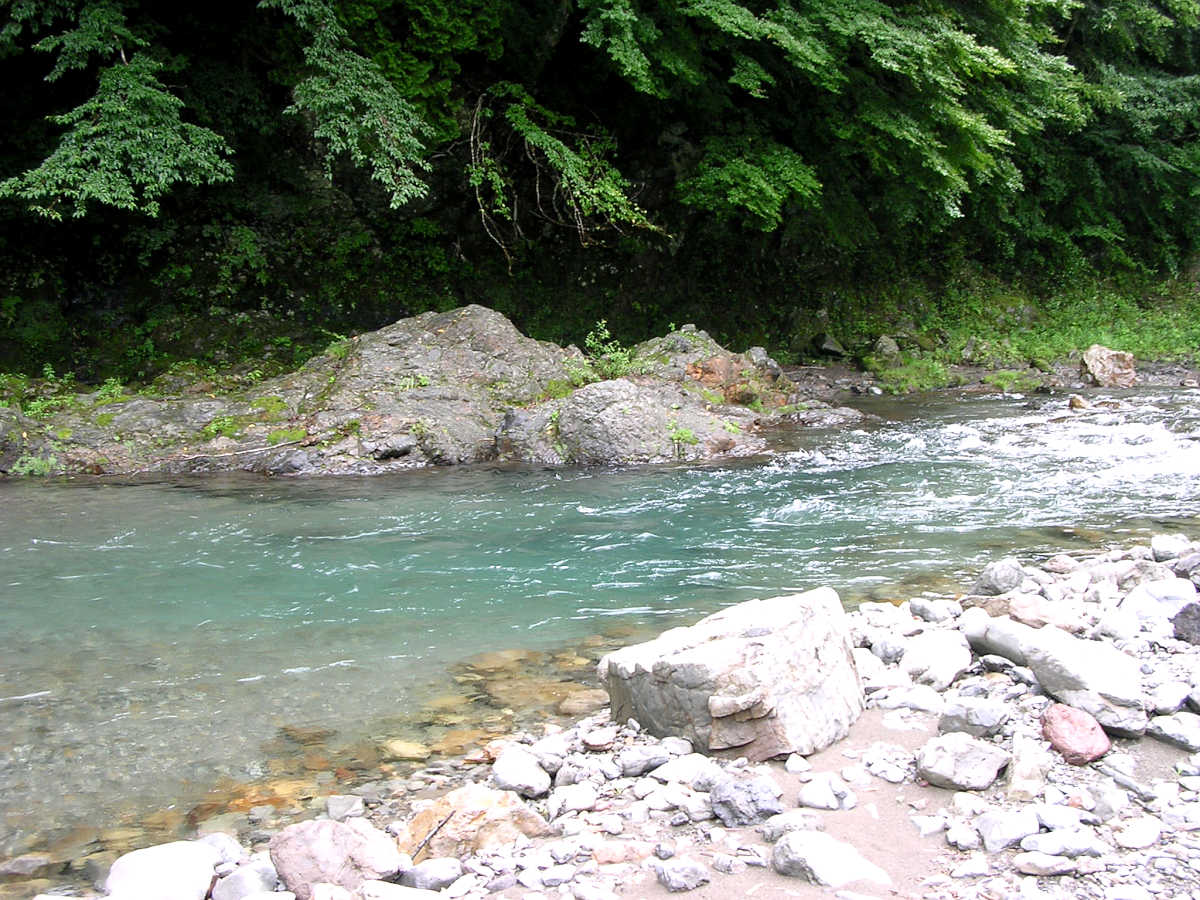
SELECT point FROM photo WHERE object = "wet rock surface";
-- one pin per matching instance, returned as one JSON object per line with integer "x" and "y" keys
{"x": 631, "y": 814}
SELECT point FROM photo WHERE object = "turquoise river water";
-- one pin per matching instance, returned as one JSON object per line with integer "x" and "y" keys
{"x": 157, "y": 635}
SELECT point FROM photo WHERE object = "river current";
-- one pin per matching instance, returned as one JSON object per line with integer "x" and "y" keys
{"x": 157, "y": 635}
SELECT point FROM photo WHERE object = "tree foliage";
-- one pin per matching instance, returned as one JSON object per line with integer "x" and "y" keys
{"x": 355, "y": 144}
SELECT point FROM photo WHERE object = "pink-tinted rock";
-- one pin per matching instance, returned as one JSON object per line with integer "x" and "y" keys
{"x": 1108, "y": 368}
{"x": 339, "y": 853}
{"x": 1074, "y": 733}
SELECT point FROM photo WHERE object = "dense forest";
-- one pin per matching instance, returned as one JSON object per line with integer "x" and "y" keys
{"x": 223, "y": 181}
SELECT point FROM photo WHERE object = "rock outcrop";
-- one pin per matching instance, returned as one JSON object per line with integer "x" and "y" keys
{"x": 764, "y": 677}
{"x": 437, "y": 389}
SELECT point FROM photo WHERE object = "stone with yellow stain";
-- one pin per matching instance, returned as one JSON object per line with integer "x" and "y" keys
{"x": 476, "y": 818}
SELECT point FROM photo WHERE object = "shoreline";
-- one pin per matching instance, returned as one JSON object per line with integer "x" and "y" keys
{"x": 711, "y": 843}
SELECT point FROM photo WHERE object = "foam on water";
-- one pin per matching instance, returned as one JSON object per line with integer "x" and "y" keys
{"x": 162, "y": 632}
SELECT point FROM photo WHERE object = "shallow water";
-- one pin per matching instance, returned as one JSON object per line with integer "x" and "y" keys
{"x": 157, "y": 635}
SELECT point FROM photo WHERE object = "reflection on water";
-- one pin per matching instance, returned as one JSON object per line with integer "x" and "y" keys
{"x": 160, "y": 634}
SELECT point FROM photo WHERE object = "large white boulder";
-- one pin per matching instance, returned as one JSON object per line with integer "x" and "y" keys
{"x": 181, "y": 870}
{"x": 766, "y": 677}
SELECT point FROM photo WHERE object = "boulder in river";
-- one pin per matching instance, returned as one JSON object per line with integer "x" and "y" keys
{"x": 766, "y": 677}
{"x": 1108, "y": 368}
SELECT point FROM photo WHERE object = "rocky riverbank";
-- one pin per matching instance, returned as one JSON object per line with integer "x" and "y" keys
{"x": 439, "y": 389}
{"x": 465, "y": 387}
{"x": 1035, "y": 735}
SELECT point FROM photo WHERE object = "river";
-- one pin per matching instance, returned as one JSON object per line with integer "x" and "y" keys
{"x": 157, "y": 635}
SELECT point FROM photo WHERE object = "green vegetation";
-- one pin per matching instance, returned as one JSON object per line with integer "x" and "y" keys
{"x": 682, "y": 436}
{"x": 1010, "y": 381}
{"x": 112, "y": 391}
{"x": 270, "y": 409}
{"x": 34, "y": 465}
{"x": 608, "y": 356}
{"x": 221, "y": 426}
{"x": 245, "y": 187}
{"x": 286, "y": 436}
{"x": 409, "y": 382}
{"x": 912, "y": 374}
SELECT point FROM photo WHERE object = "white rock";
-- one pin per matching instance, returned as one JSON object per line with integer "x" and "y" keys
{"x": 1169, "y": 697}
{"x": 572, "y": 798}
{"x": 681, "y": 873}
{"x": 1169, "y": 546}
{"x": 256, "y": 876}
{"x": 1181, "y": 730}
{"x": 976, "y": 866}
{"x": 932, "y": 610}
{"x": 1027, "y": 771}
{"x": 792, "y": 820}
{"x": 1066, "y": 842}
{"x": 385, "y": 890}
{"x": 919, "y": 698}
{"x": 1155, "y": 603}
{"x": 766, "y": 676}
{"x": 797, "y": 764}
{"x": 1003, "y": 828}
{"x": 999, "y": 577}
{"x": 1138, "y": 833}
{"x": 696, "y": 770}
{"x": 433, "y": 874}
{"x": 936, "y": 658}
{"x": 1042, "y": 864}
{"x": 820, "y": 859}
{"x": 344, "y": 806}
{"x": 960, "y": 762}
{"x": 182, "y": 870}
{"x": 976, "y": 716}
{"x": 826, "y": 791}
{"x": 517, "y": 769}
{"x": 963, "y": 836}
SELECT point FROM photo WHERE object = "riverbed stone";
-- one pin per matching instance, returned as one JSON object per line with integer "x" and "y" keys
{"x": 960, "y": 762}
{"x": 1001, "y": 828}
{"x": 768, "y": 677}
{"x": 1166, "y": 547}
{"x": 1185, "y": 625}
{"x": 433, "y": 874}
{"x": 1156, "y": 603}
{"x": 340, "y": 853}
{"x": 1070, "y": 842}
{"x": 517, "y": 769}
{"x": 818, "y": 858}
{"x": 1075, "y": 734}
{"x": 180, "y": 870}
{"x": 936, "y": 658}
{"x": 826, "y": 790}
{"x": 681, "y": 873}
{"x": 745, "y": 801}
{"x": 257, "y": 875}
{"x": 1043, "y": 864}
{"x": 791, "y": 820}
{"x": 344, "y": 806}
{"x": 976, "y": 716}
{"x": 470, "y": 819}
{"x": 1090, "y": 675}
{"x": 999, "y": 577}
{"x": 1180, "y": 730}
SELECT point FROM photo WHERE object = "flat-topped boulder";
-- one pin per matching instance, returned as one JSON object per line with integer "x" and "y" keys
{"x": 764, "y": 678}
